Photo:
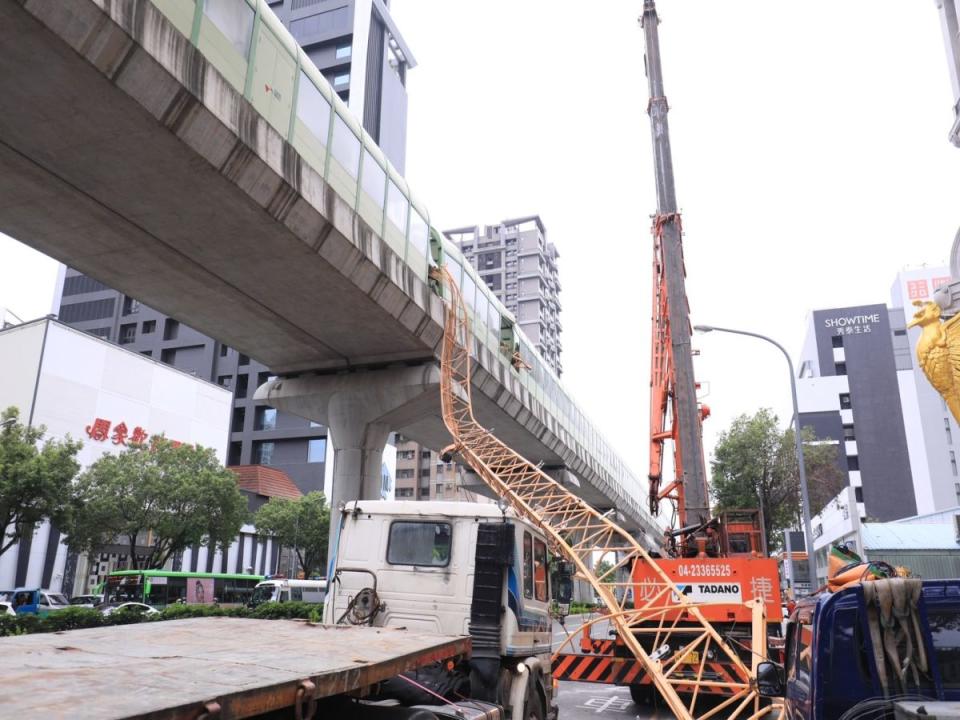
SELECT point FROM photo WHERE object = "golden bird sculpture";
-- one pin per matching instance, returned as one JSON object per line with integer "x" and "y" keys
{"x": 938, "y": 352}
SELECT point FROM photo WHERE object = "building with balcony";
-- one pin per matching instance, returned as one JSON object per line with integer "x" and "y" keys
{"x": 517, "y": 262}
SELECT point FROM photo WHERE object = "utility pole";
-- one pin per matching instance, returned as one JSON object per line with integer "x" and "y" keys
{"x": 694, "y": 498}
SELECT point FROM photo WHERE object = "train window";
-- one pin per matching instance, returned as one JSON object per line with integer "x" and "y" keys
{"x": 419, "y": 232}
{"x": 374, "y": 179}
{"x": 397, "y": 207}
{"x": 345, "y": 146}
{"x": 527, "y": 565}
{"x": 313, "y": 109}
{"x": 540, "y": 570}
{"x": 455, "y": 270}
{"x": 481, "y": 307}
{"x": 494, "y": 319}
{"x": 469, "y": 289}
{"x": 234, "y": 18}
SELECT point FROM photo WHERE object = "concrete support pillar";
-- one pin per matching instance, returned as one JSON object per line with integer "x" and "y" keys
{"x": 360, "y": 409}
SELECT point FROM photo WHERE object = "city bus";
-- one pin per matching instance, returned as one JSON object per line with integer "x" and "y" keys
{"x": 159, "y": 588}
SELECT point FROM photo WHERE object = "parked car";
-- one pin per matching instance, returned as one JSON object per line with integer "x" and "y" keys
{"x": 34, "y": 601}
{"x": 141, "y": 608}
{"x": 86, "y": 600}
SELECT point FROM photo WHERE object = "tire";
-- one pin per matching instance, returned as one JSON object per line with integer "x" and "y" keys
{"x": 532, "y": 703}
{"x": 642, "y": 694}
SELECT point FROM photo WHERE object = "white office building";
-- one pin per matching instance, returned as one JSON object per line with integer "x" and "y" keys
{"x": 78, "y": 385}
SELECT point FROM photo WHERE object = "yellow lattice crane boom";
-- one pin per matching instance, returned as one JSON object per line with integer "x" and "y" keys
{"x": 651, "y": 627}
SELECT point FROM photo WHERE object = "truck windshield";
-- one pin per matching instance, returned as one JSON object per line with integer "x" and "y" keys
{"x": 419, "y": 543}
{"x": 264, "y": 593}
{"x": 945, "y": 632}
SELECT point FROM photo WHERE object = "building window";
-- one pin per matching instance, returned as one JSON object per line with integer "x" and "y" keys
{"x": 147, "y": 353}
{"x": 858, "y": 493}
{"x": 946, "y": 429}
{"x": 263, "y": 453}
{"x": 239, "y": 415}
{"x": 224, "y": 349}
{"x": 956, "y": 489}
{"x": 103, "y": 332}
{"x": 853, "y": 462}
{"x": 225, "y": 381}
{"x": 149, "y": 327}
{"x": 317, "y": 450}
{"x": 406, "y": 454}
{"x": 953, "y": 463}
{"x": 171, "y": 328}
{"x": 836, "y": 341}
{"x": 93, "y": 310}
{"x": 404, "y": 492}
{"x": 128, "y": 333}
{"x": 243, "y": 360}
{"x": 266, "y": 419}
{"x": 344, "y": 51}
{"x": 77, "y": 284}
{"x": 840, "y": 368}
{"x": 233, "y": 455}
{"x": 845, "y": 402}
{"x": 425, "y": 454}
{"x": 130, "y": 306}
{"x": 241, "y": 391}
{"x": 425, "y": 473}
{"x": 900, "y": 332}
{"x": 404, "y": 474}
{"x": 848, "y": 433}
{"x": 265, "y": 377}
{"x": 342, "y": 79}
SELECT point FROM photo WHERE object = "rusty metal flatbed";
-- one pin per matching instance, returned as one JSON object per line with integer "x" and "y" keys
{"x": 183, "y": 668}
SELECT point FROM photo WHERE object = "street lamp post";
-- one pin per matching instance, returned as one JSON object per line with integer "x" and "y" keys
{"x": 804, "y": 494}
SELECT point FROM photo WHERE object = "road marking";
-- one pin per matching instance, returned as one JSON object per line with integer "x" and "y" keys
{"x": 601, "y": 704}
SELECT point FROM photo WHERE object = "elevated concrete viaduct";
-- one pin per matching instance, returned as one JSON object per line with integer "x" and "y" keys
{"x": 124, "y": 153}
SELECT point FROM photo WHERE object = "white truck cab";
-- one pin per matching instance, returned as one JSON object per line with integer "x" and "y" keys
{"x": 455, "y": 569}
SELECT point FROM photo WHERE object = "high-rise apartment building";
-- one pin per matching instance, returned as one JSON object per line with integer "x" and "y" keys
{"x": 357, "y": 46}
{"x": 861, "y": 388}
{"x": 517, "y": 262}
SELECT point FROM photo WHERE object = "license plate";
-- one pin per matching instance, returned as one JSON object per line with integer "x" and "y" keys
{"x": 691, "y": 658}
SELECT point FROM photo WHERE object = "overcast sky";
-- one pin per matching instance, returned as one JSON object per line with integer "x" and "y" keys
{"x": 811, "y": 163}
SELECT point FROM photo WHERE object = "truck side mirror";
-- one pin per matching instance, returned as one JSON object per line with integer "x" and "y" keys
{"x": 770, "y": 679}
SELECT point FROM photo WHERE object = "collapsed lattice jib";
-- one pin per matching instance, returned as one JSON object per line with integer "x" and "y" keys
{"x": 662, "y": 627}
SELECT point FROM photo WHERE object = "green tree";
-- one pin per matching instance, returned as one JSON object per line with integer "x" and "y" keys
{"x": 34, "y": 479}
{"x": 163, "y": 497}
{"x": 755, "y": 465}
{"x": 302, "y": 524}
{"x": 602, "y": 568}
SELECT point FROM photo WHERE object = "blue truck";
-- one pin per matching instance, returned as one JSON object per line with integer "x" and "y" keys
{"x": 860, "y": 650}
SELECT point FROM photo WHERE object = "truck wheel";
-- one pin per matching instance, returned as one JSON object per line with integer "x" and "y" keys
{"x": 642, "y": 694}
{"x": 532, "y": 704}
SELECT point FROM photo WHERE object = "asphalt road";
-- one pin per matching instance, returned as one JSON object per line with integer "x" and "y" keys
{"x": 585, "y": 701}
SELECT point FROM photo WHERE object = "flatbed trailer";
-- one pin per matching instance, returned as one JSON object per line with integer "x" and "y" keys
{"x": 214, "y": 667}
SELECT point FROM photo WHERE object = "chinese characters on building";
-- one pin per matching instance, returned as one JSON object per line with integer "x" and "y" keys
{"x": 100, "y": 431}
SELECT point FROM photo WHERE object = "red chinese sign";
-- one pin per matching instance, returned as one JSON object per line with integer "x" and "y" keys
{"x": 99, "y": 430}
{"x": 917, "y": 289}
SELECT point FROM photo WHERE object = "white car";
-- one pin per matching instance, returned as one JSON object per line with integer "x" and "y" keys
{"x": 140, "y": 608}
{"x": 7, "y": 609}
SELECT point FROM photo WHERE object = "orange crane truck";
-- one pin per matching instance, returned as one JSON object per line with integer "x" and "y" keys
{"x": 720, "y": 559}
